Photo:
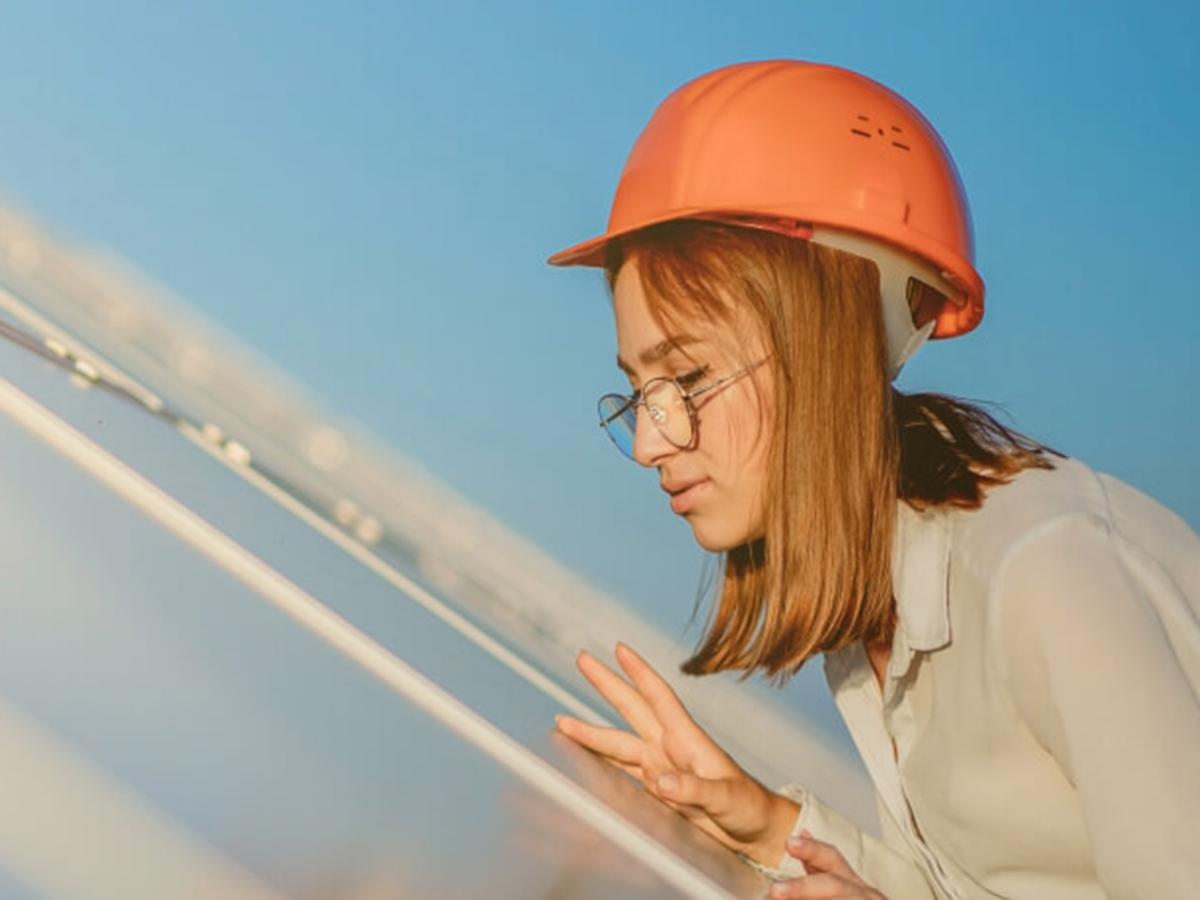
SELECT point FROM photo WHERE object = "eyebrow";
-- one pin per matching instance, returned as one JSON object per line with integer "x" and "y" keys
{"x": 658, "y": 351}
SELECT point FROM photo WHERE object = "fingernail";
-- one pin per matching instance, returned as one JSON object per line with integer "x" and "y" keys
{"x": 780, "y": 891}
{"x": 668, "y": 784}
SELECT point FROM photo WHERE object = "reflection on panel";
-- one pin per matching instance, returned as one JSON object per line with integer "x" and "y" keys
{"x": 223, "y": 673}
{"x": 238, "y": 407}
{"x": 260, "y": 743}
{"x": 72, "y": 831}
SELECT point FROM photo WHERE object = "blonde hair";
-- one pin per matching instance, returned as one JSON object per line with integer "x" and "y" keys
{"x": 844, "y": 447}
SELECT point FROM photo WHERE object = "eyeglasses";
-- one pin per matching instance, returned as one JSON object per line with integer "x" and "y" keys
{"x": 669, "y": 405}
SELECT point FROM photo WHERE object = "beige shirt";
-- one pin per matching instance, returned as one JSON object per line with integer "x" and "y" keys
{"x": 1043, "y": 697}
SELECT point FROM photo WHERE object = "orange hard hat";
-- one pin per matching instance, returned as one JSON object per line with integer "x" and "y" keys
{"x": 815, "y": 151}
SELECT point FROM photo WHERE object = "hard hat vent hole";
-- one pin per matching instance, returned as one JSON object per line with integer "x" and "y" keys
{"x": 862, "y": 131}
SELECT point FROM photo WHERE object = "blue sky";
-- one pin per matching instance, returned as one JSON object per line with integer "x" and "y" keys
{"x": 366, "y": 193}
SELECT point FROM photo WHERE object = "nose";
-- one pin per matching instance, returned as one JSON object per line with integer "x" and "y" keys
{"x": 650, "y": 446}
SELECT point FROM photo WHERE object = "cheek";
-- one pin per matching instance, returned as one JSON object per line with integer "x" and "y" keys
{"x": 753, "y": 452}
{"x": 750, "y": 431}
{"x": 736, "y": 428}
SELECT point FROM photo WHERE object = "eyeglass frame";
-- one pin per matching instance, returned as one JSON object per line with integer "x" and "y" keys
{"x": 637, "y": 398}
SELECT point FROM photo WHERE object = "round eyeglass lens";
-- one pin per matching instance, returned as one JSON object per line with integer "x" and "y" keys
{"x": 667, "y": 409}
{"x": 665, "y": 406}
{"x": 619, "y": 418}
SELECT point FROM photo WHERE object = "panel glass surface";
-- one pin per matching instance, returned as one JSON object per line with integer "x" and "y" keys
{"x": 474, "y": 565}
{"x": 249, "y": 733}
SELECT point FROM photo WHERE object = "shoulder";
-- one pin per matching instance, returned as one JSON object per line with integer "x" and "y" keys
{"x": 1032, "y": 504}
{"x": 1069, "y": 503}
{"x": 1074, "y": 555}
{"x": 1071, "y": 551}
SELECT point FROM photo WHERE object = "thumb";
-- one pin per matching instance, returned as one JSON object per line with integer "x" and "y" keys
{"x": 819, "y": 856}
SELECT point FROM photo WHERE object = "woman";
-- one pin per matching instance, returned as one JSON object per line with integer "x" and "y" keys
{"x": 1011, "y": 637}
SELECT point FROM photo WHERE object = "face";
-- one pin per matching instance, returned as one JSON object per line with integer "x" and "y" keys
{"x": 717, "y": 484}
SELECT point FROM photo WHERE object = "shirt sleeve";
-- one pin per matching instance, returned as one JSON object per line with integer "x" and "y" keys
{"x": 893, "y": 873}
{"x": 1091, "y": 648}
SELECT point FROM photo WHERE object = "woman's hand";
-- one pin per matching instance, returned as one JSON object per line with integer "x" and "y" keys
{"x": 678, "y": 762}
{"x": 829, "y": 875}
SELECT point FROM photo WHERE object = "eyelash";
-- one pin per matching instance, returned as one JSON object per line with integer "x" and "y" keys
{"x": 686, "y": 381}
{"x": 692, "y": 378}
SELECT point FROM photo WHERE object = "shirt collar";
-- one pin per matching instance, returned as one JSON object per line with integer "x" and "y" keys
{"x": 921, "y": 583}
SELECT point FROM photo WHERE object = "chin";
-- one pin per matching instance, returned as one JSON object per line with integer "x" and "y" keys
{"x": 719, "y": 537}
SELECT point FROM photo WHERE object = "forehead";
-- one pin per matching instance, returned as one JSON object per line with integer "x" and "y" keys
{"x": 649, "y": 329}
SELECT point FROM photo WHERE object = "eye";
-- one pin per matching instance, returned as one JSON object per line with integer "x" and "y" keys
{"x": 691, "y": 379}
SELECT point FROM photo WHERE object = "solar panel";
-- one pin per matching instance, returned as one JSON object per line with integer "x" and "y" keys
{"x": 221, "y": 674}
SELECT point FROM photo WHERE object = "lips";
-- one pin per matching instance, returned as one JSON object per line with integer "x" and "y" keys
{"x": 684, "y": 494}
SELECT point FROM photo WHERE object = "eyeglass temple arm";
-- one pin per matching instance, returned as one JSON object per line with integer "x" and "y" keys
{"x": 723, "y": 381}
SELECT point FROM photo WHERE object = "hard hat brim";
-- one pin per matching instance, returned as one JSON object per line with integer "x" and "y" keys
{"x": 593, "y": 252}
{"x": 589, "y": 253}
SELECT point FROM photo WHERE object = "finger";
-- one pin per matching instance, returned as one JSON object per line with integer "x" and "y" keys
{"x": 613, "y": 743}
{"x": 658, "y": 694}
{"x": 819, "y": 856}
{"x": 620, "y": 695}
{"x": 816, "y": 887}
{"x": 715, "y": 796}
